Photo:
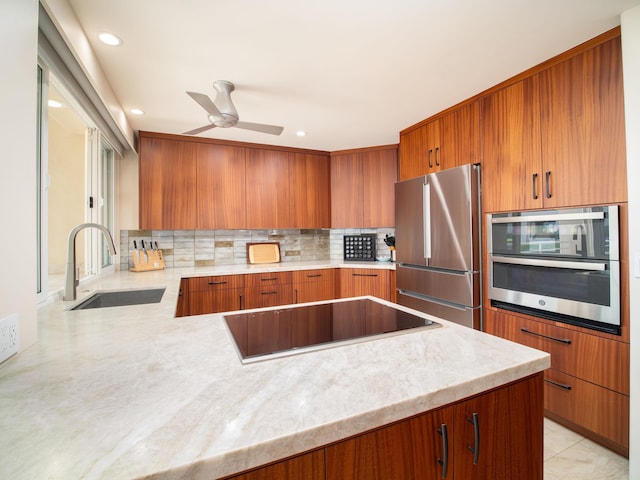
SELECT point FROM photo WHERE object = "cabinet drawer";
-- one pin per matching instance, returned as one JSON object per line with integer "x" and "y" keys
{"x": 219, "y": 282}
{"x": 214, "y": 301}
{"x": 589, "y": 357}
{"x": 597, "y": 409}
{"x": 272, "y": 278}
{"x": 304, "y": 276}
{"x": 268, "y": 296}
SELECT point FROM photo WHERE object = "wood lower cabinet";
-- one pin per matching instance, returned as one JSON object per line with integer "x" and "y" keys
{"x": 355, "y": 282}
{"x": 309, "y": 466}
{"x": 314, "y": 285}
{"x": 215, "y": 294}
{"x": 496, "y": 435}
{"x": 268, "y": 289}
{"x": 587, "y": 386}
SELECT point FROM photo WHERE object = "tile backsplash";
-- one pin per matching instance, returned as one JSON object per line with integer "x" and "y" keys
{"x": 202, "y": 248}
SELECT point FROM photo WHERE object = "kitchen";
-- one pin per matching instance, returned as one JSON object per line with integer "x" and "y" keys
{"x": 13, "y": 279}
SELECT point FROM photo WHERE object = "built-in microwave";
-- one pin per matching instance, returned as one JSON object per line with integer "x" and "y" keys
{"x": 557, "y": 264}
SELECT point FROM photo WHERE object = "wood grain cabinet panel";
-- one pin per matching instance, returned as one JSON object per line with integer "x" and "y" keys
{"x": 309, "y": 466}
{"x": 268, "y": 290}
{"x": 412, "y": 153}
{"x": 309, "y": 185}
{"x": 221, "y": 293}
{"x": 220, "y": 186}
{"x": 511, "y": 158}
{"x": 167, "y": 183}
{"x": 583, "y": 129}
{"x": 363, "y": 188}
{"x": 267, "y": 188}
{"x": 355, "y": 282}
{"x": 314, "y": 285}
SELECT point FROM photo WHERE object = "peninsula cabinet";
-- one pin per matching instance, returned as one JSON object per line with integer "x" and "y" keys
{"x": 213, "y": 294}
{"x": 362, "y": 187}
{"x": 556, "y": 138}
{"x": 587, "y": 386}
{"x": 451, "y": 140}
{"x": 268, "y": 289}
{"x": 495, "y": 435}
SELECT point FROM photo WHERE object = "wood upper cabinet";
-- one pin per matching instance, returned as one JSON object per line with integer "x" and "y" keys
{"x": 220, "y": 186}
{"x": 556, "y": 138}
{"x": 362, "y": 188}
{"x": 267, "y": 184}
{"x": 448, "y": 141}
{"x": 511, "y": 161}
{"x": 167, "y": 182}
{"x": 309, "y": 185}
{"x": 582, "y": 124}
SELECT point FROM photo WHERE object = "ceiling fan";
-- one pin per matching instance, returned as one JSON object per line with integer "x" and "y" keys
{"x": 223, "y": 114}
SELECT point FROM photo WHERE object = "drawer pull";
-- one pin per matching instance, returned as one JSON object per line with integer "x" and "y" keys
{"x": 268, "y": 293}
{"x": 444, "y": 461}
{"x": 557, "y": 384}
{"x": 476, "y": 437}
{"x": 364, "y": 274}
{"x": 268, "y": 279}
{"x": 222, "y": 282}
{"x": 566, "y": 341}
{"x": 314, "y": 276}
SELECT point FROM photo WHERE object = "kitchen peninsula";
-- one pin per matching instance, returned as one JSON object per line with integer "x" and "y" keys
{"x": 133, "y": 392}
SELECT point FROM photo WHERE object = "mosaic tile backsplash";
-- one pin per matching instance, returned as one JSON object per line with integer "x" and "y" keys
{"x": 204, "y": 248}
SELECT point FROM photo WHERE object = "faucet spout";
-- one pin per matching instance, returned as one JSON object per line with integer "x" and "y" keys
{"x": 70, "y": 270}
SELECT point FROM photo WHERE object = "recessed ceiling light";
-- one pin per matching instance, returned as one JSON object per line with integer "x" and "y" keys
{"x": 109, "y": 39}
{"x": 301, "y": 133}
{"x": 136, "y": 111}
{"x": 55, "y": 104}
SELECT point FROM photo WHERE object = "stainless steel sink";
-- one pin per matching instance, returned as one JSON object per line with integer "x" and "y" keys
{"x": 119, "y": 298}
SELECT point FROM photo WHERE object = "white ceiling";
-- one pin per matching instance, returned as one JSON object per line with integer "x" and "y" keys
{"x": 352, "y": 73}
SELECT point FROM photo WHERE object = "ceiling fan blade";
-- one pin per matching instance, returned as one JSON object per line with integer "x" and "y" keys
{"x": 260, "y": 127}
{"x": 196, "y": 131}
{"x": 205, "y": 102}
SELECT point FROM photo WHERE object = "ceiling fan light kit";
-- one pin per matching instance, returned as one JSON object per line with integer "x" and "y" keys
{"x": 223, "y": 114}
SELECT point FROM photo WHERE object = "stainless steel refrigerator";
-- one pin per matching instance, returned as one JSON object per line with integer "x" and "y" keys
{"x": 438, "y": 237}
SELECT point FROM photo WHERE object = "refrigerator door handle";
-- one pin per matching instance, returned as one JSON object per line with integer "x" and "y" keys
{"x": 426, "y": 220}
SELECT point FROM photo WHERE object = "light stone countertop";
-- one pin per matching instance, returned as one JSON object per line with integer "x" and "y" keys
{"x": 132, "y": 392}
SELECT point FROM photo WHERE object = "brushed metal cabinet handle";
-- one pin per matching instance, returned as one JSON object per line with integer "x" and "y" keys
{"x": 534, "y": 186}
{"x": 564, "y": 386}
{"x": 566, "y": 341}
{"x": 547, "y": 177}
{"x": 476, "y": 437}
{"x": 444, "y": 461}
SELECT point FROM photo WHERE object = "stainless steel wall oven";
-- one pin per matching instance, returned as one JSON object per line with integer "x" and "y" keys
{"x": 557, "y": 264}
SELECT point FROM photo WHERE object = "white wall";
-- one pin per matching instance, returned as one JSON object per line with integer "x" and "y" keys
{"x": 19, "y": 58}
{"x": 630, "y": 23}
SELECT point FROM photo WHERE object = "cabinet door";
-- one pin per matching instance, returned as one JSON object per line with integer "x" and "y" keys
{"x": 182, "y": 306}
{"x": 221, "y": 187}
{"x": 355, "y": 282}
{"x": 167, "y": 180}
{"x": 583, "y": 136}
{"x": 346, "y": 191}
{"x": 500, "y": 434}
{"x": 314, "y": 285}
{"x": 511, "y": 162}
{"x": 308, "y": 466}
{"x": 412, "y": 153}
{"x": 267, "y": 191}
{"x": 432, "y": 146}
{"x": 309, "y": 184}
{"x": 460, "y": 137}
{"x": 410, "y": 449}
{"x": 379, "y": 173}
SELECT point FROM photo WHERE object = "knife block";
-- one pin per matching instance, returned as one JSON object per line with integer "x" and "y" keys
{"x": 147, "y": 260}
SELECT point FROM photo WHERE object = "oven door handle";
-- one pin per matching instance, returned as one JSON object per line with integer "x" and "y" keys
{"x": 551, "y": 263}
{"x": 553, "y": 217}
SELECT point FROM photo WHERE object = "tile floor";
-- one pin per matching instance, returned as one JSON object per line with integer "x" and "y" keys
{"x": 568, "y": 455}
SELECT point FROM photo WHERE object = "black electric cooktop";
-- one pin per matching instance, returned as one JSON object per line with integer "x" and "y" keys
{"x": 262, "y": 335}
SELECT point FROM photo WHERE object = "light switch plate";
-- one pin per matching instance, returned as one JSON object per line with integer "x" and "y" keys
{"x": 9, "y": 338}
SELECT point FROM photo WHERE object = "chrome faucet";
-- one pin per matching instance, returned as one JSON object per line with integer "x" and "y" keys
{"x": 70, "y": 280}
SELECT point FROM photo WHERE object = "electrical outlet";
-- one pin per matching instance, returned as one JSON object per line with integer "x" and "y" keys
{"x": 9, "y": 336}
